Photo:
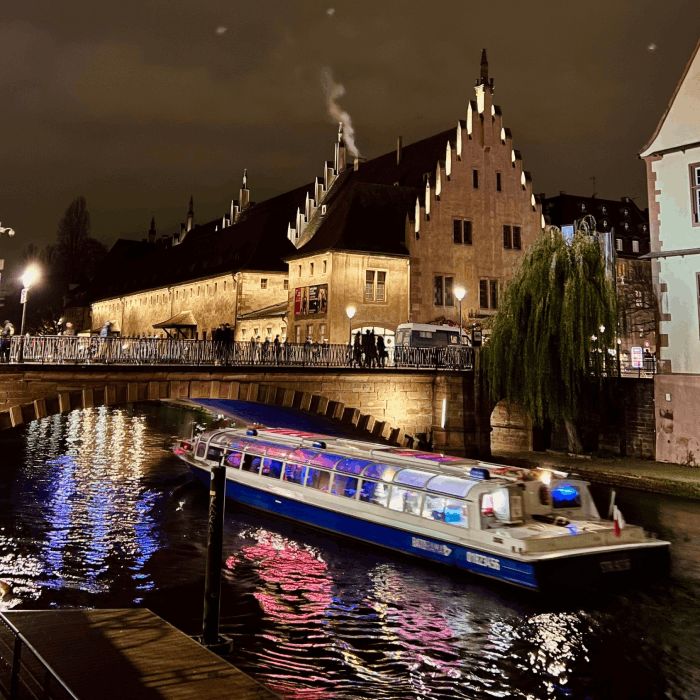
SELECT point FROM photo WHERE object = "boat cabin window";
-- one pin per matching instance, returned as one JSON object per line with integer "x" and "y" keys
{"x": 451, "y": 485}
{"x": 294, "y": 473}
{"x": 279, "y": 451}
{"x": 215, "y": 453}
{"x": 271, "y": 468}
{"x": 381, "y": 471}
{"x": 234, "y": 460}
{"x": 405, "y": 500}
{"x": 446, "y": 510}
{"x": 240, "y": 444}
{"x": 374, "y": 492}
{"x": 488, "y": 518}
{"x": 251, "y": 463}
{"x": 344, "y": 485}
{"x": 318, "y": 479}
{"x": 566, "y": 496}
{"x": 201, "y": 449}
{"x": 352, "y": 465}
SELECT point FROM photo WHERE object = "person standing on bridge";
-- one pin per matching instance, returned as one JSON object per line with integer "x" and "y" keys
{"x": 7, "y": 332}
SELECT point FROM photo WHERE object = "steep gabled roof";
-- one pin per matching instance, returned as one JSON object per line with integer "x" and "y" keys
{"x": 685, "y": 105}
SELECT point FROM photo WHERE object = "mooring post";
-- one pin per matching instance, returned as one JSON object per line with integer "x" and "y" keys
{"x": 215, "y": 549}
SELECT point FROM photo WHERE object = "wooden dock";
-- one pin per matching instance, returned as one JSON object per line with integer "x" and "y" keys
{"x": 118, "y": 654}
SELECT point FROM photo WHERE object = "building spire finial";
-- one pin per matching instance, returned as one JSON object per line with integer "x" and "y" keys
{"x": 484, "y": 67}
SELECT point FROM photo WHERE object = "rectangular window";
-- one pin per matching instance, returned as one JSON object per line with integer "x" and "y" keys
{"x": 439, "y": 298}
{"x": 635, "y": 246}
{"x": 325, "y": 263}
{"x": 311, "y": 270}
{"x": 457, "y": 233}
{"x": 310, "y": 331}
{"x": 318, "y": 479}
{"x": 467, "y": 232}
{"x": 263, "y": 283}
{"x": 344, "y": 485}
{"x": 243, "y": 333}
{"x": 298, "y": 334}
{"x": 375, "y": 285}
{"x": 475, "y": 179}
{"x": 638, "y": 298}
{"x": 695, "y": 192}
{"x": 299, "y": 270}
{"x": 517, "y": 242}
{"x": 507, "y": 237}
{"x": 484, "y": 294}
{"x": 449, "y": 296}
{"x": 285, "y": 285}
{"x": 322, "y": 332}
{"x": 494, "y": 293}
{"x": 369, "y": 285}
{"x": 381, "y": 286}
{"x": 498, "y": 182}
{"x": 618, "y": 244}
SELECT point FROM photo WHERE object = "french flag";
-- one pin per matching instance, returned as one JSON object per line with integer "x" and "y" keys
{"x": 618, "y": 521}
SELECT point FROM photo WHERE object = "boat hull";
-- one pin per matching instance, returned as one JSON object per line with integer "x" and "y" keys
{"x": 539, "y": 575}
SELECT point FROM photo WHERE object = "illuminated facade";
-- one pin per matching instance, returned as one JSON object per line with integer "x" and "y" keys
{"x": 391, "y": 237}
{"x": 673, "y": 177}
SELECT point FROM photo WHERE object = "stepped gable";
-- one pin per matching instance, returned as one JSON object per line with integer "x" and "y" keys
{"x": 257, "y": 241}
{"x": 361, "y": 217}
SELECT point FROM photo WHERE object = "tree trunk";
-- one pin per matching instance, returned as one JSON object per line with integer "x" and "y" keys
{"x": 573, "y": 438}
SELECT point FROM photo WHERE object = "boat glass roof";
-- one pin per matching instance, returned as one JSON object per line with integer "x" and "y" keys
{"x": 451, "y": 485}
{"x": 352, "y": 465}
{"x": 302, "y": 455}
{"x": 430, "y": 456}
{"x": 220, "y": 438}
{"x": 413, "y": 477}
{"x": 381, "y": 471}
{"x": 240, "y": 444}
{"x": 323, "y": 459}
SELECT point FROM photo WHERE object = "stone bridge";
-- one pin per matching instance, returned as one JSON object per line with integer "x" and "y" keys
{"x": 401, "y": 406}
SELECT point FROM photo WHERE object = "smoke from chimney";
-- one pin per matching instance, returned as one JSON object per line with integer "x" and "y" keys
{"x": 333, "y": 92}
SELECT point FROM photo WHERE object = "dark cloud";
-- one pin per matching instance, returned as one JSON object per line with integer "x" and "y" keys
{"x": 137, "y": 105}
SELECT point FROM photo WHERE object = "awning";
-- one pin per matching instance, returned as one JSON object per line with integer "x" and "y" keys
{"x": 274, "y": 311}
{"x": 185, "y": 319}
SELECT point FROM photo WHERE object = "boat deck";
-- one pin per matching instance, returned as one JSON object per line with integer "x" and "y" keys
{"x": 117, "y": 654}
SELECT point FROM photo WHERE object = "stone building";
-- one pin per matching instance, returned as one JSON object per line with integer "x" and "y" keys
{"x": 625, "y": 227}
{"x": 391, "y": 237}
{"x": 672, "y": 158}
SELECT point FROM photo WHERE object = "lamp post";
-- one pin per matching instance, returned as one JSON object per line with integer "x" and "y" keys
{"x": 460, "y": 291}
{"x": 28, "y": 278}
{"x": 9, "y": 231}
{"x": 350, "y": 311}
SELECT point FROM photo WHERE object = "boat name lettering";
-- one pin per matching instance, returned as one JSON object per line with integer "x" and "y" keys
{"x": 620, "y": 565}
{"x": 428, "y": 546}
{"x": 481, "y": 560}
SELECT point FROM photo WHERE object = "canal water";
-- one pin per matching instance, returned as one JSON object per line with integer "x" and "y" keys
{"x": 95, "y": 511}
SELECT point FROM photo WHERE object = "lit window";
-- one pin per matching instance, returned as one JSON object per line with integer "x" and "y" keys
{"x": 375, "y": 285}
{"x": 243, "y": 333}
{"x": 638, "y": 299}
{"x": 635, "y": 245}
{"x": 263, "y": 283}
{"x": 618, "y": 244}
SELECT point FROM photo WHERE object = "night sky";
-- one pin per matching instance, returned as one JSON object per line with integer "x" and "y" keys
{"x": 137, "y": 105}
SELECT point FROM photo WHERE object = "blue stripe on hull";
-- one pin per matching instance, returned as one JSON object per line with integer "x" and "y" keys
{"x": 383, "y": 535}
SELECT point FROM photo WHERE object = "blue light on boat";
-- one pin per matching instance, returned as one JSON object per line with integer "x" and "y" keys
{"x": 251, "y": 431}
{"x": 478, "y": 473}
{"x": 565, "y": 495}
{"x": 319, "y": 444}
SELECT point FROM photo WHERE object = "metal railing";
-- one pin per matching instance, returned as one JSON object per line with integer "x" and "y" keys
{"x": 51, "y": 350}
{"x": 28, "y": 678}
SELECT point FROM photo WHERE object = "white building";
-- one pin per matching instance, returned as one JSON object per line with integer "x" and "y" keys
{"x": 672, "y": 158}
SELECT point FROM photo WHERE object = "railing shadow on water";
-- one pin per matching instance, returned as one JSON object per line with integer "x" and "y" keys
{"x": 59, "y": 350}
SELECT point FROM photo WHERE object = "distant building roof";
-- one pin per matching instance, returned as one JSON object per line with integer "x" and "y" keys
{"x": 185, "y": 319}
{"x": 274, "y": 311}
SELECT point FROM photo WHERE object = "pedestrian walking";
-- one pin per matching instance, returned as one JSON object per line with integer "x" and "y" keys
{"x": 381, "y": 350}
{"x": 357, "y": 349}
{"x": 8, "y": 330}
{"x": 277, "y": 348}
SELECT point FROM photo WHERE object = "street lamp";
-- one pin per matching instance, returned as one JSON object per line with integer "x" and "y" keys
{"x": 460, "y": 291}
{"x": 9, "y": 231}
{"x": 30, "y": 275}
{"x": 350, "y": 311}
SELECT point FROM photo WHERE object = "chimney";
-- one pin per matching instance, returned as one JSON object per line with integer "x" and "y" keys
{"x": 190, "y": 215}
{"x": 152, "y": 232}
{"x": 340, "y": 155}
{"x": 561, "y": 192}
{"x": 244, "y": 194}
{"x": 399, "y": 149}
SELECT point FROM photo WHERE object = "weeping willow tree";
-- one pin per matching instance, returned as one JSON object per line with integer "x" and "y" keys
{"x": 553, "y": 329}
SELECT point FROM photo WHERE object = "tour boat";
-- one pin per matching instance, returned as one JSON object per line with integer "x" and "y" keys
{"x": 531, "y": 528}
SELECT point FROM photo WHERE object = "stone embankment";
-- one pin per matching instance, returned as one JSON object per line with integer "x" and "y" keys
{"x": 645, "y": 475}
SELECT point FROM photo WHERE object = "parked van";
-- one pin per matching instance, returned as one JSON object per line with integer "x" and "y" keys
{"x": 425, "y": 335}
